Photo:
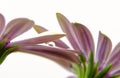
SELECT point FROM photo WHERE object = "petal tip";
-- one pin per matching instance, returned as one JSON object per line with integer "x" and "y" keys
{"x": 58, "y": 14}
{"x": 39, "y": 29}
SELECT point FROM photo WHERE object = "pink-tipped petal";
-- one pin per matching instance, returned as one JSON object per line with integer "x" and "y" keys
{"x": 2, "y": 23}
{"x": 39, "y": 29}
{"x": 61, "y": 56}
{"x": 38, "y": 40}
{"x": 103, "y": 48}
{"x": 115, "y": 58}
{"x": 16, "y": 27}
{"x": 78, "y": 35}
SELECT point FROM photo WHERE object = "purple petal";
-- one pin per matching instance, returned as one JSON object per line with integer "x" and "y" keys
{"x": 58, "y": 43}
{"x": 2, "y": 23}
{"x": 68, "y": 29}
{"x": 38, "y": 40}
{"x": 72, "y": 77}
{"x": 115, "y": 72}
{"x": 39, "y": 29}
{"x": 103, "y": 48}
{"x": 16, "y": 27}
{"x": 61, "y": 56}
{"x": 78, "y": 35}
{"x": 115, "y": 58}
{"x": 59, "y": 52}
{"x": 83, "y": 38}
{"x": 61, "y": 44}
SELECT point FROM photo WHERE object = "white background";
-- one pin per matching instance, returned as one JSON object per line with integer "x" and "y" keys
{"x": 97, "y": 15}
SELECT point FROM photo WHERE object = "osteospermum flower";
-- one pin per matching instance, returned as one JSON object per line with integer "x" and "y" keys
{"x": 105, "y": 64}
{"x": 15, "y": 28}
{"x": 62, "y": 56}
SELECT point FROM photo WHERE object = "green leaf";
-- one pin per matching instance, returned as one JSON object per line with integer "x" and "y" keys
{"x": 103, "y": 72}
{"x": 6, "y": 52}
{"x": 90, "y": 66}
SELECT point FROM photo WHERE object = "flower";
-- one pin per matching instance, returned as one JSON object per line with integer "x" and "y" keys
{"x": 62, "y": 56}
{"x": 15, "y": 28}
{"x": 106, "y": 62}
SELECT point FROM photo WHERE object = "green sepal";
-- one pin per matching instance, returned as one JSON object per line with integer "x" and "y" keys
{"x": 102, "y": 73}
{"x": 2, "y": 47}
{"x": 5, "y": 52}
{"x": 76, "y": 69}
{"x": 82, "y": 58}
{"x": 82, "y": 73}
{"x": 90, "y": 66}
{"x": 2, "y": 43}
{"x": 95, "y": 69}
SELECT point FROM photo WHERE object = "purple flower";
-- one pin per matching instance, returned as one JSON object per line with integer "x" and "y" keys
{"x": 82, "y": 41}
{"x": 63, "y": 57}
{"x": 15, "y": 28}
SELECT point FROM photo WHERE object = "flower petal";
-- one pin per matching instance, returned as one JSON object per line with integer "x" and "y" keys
{"x": 61, "y": 56}
{"x": 39, "y": 29}
{"x": 68, "y": 29}
{"x": 115, "y": 72}
{"x": 84, "y": 38}
{"x": 115, "y": 58}
{"x": 64, "y": 63}
{"x": 2, "y": 23}
{"x": 72, "y": 77}
{"x": 59, "y": 60}
{"x": 17, "y": 27}
{"x": 58, "y": 43}
{"x": 38, "y": 40}
{"x": 78, "y": 35}
{"x": 103, "y": 48}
